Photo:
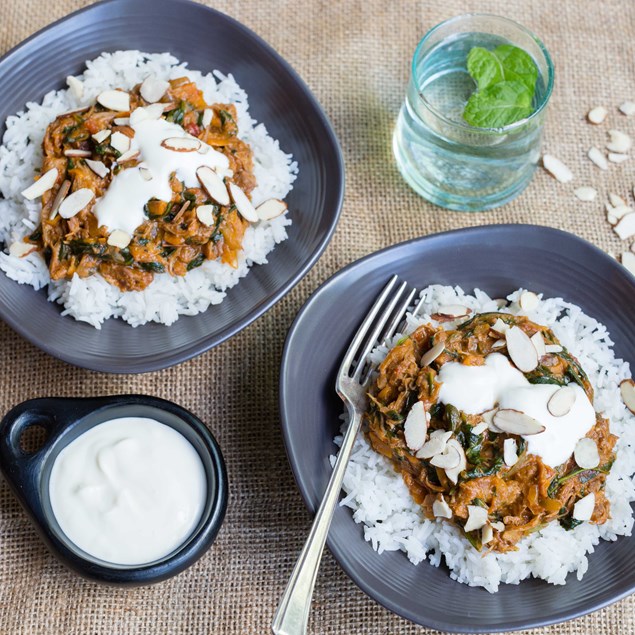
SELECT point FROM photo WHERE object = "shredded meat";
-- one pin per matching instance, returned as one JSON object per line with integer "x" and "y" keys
{"x": 524, "y": 497}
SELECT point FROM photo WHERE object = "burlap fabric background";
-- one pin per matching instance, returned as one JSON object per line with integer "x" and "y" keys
{"x": 355, "y": 57}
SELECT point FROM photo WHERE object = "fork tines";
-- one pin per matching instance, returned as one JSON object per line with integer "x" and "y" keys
{"x": 384, "y": 318}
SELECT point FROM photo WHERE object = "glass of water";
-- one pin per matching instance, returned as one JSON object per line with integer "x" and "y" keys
{"x": 441, "y": 156}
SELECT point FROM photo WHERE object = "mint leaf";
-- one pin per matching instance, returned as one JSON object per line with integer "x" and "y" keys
{"x": 506, "y": 78}
{"x": 484, "y": 67}
{"x": 499, "y": 105}
{"x": 517, "y": 65}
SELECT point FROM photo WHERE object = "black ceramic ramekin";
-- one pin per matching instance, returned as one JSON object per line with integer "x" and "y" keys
{"x": 64, "y": 419}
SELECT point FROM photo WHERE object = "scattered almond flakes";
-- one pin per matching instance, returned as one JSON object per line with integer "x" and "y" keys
{"x": 598, "y": 158}
{"x": 586, "y": 193}
{"x": 597, "y": 115}
{"x": 619, "y": 142}
{"x": 557, "y": 168}
{"x": 627, "y": 108}
{"x": 615, "y": 157}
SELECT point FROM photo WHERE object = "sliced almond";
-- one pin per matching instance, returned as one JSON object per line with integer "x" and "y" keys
{"x": 498, "y": 525}
{"x": 528, "y": 301}
{"x": 453, "y": 311}
{"x": 498, "y": 344}
{"x": 449, "y": 459}
{"x": 625, "y": 228}
{"x": 416, "y": 427}
{"x": 553, "y": 348}
{"x": 146, "y": 175}
{"x": 206, "y": 214}
{"x": 147, "y": 113}
{"x": 562, "y": 401}
{"x": 435, "y": 445}
{"x": 119, "y": 238}
{"x": 128, "y": 156}
{"x": 487, "y": 534}
{"x": 539, "y": 344}
{"x": 476, "y": 517}
{"x": 615, "y": 213}
{"x": 270, "y": 209}
{"x": 429, "y": 356}
{"x": 101, "y": 136}
{"x": 453, "y": 473}
{"x": 479, "y": 428}
{"x": 598, "y": 158}
{"x": 213, "y": 185}
{"x": 615, "y": 157}
{"x": 153, "y": 88}
{"x": 628, "y": 260}
{"x": 242, "y": 203}
{"x": 181, "y": 144}
{"x": 586, "y": 453}
{"x": 627, "y": 108}
{"x": 76, "y": 86}
{"x": 208, "y": 115}
{"x": 500, "y": 327}
{"x": 76, "y": 202}
{"x": 97, "y": 167}
{"x": 510, "y": 452}
{"x": 557, "y": 168}
{"x": 627, "y": 390}
{"x": 597, "y": 115}
{"x": 121, "y": 121}
{"x": 59, "y": 197}
{"x": 117, "y": 100}
{"x": 619, "y": 142}
{"x": 616, "y": 200}
{"x": 441, "y": 509}
{"x": 75, "y": 152}
{"x": 19, "y": 249}
{"x": 516, "y": 422}
{"x": 583, "y": 509}
{"x": 42, "y": 185}
{"x": 488, "y": 418}
{"x": 120, "y": 142}
{"x": 586, "y": 193}
{"x": 521, "y": 350}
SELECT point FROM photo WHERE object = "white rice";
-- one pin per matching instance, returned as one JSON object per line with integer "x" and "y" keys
{"x": 92, "y": 299}
{"x": 393, "y": 521}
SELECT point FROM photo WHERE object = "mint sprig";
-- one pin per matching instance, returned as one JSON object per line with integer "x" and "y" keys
{"x": 506, "y": 82}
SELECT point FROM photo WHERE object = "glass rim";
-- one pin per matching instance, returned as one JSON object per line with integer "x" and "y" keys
{"x": 465, "y": 125}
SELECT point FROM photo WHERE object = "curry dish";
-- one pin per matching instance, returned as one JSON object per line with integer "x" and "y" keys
{"x": 172, "y": 239}
{"x": 519, "y": 499}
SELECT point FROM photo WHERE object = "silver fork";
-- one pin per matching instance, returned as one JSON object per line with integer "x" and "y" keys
{"x": 353, "y": 377}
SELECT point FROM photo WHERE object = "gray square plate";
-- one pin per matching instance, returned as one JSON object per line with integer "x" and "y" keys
{"x": 207, "y": 40}
{"x": 497, "y": 259}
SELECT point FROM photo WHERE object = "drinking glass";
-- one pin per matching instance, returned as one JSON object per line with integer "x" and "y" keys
{"x": 442, "y": 157}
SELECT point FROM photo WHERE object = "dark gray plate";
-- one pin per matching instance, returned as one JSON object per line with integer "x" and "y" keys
{"x": 496, "y": 259}
{"x": 207, "y": 40}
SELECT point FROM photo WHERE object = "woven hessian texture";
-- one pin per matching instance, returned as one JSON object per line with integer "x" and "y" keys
{"x": 355, "y": 56}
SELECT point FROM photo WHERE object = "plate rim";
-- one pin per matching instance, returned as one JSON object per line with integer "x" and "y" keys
{"x": 285, "y": 424}
{"x": 153, "y": 363}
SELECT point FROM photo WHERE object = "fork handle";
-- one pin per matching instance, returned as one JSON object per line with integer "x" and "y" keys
{"x": 292, "y": 616}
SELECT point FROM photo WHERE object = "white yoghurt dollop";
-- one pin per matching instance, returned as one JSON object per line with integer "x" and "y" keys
{"x": 128, "y": 491}
{"x": 475, "y": 389}
{"x": 122, "y": 205}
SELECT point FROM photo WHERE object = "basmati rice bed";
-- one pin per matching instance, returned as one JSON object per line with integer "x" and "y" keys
{"x": 393, "y": 521}
{"x": 92, "y": 299}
